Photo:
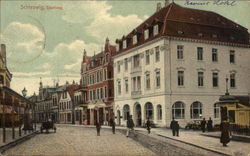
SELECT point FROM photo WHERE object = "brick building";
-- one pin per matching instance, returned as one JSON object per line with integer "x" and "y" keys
{"x": 97, "y": 78}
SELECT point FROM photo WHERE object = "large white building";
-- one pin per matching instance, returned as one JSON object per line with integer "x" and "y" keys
{"x": 175, "y": 65}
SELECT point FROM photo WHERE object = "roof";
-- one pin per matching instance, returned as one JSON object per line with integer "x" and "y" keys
{"x": 245, "y": 100}
{"x": 176, "y": 21}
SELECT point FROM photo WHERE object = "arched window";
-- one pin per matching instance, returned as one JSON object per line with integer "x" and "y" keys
{"x": 159, "y": 112}
{"x": 126, "y": 112}
{"x": 149, "y": 110}
{"x": 178, "y": 110}
{"x": 216, "y": 111}
{"x": 196, "y": 110}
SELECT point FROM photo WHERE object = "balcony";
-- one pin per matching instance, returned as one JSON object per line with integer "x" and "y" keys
{"x": 136, "y": 70}
{"x": 136, "y": 94}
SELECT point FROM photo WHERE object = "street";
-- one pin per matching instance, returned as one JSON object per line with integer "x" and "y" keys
{"x": 70, "y": 140}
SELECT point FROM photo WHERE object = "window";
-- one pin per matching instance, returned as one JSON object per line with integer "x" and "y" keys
{"x": 126, "y": 85}
{"x": 97, "y": 76}
{"x": 147, "y": 57}
{"x": 196, "y": 110}
{"x": 124, "y": 44}
{"x": 138, "y": 83}
{"x": 180, "y": 78}
{"x": 117, "y": 46}
{"x": 232, "y": 80}
{"x": 126, "y": 64}
{"x": 146, "y": 32}
{"x": 136, "y": 60}
{"x": 100, "y": 75}
{"x": 94, "y": 97}
{"x": 118, "y": 67}
{"x": 180, "y": 52}
{"x": 232, "y": 56}
{"x": 159, "y": 112}
{"x": 215, "y": 79}
{"x": 158, "y": 79}
{"x": 216, "y": 111}
{"x": 147, "y": 81}
{"x": 119, "y": 87}
{"x": 149, "y": 111}
{"x": 157, "y": 54}
{"x": 178, "y": 110}
{"x": 105, "y": 74}
{"x": 105, "y": 92}
{"x": 97, "y": 93}
{"x": 134, "y": 39}
{"x": 199, "y": 53}
{"x": 214, "y": 55}
{"x": 101, "y": 93}
{"x": 126, "y": 112}
{"x": 200, "y": 79}
{"x": 156, "y": 30}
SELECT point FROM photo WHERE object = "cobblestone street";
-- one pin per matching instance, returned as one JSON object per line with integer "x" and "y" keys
{"x": 79, "y": 141}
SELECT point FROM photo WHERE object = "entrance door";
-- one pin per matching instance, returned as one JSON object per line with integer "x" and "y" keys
{"x": 138, "y": 114}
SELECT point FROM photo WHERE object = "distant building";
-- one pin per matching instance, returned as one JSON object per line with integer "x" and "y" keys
{"x": 175, "y": 63}
{"x": 97, "y": 79}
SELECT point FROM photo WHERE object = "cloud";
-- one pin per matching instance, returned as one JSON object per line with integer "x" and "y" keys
{"x": 78, "y": 12}
{"x": 23, "y": 42}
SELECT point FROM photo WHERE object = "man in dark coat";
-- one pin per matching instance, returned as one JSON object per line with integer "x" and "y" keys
{"x": 203, "y": 125}
{"x": 225, "y": 132}
{"x": 112, "y": 124}
{"x": 148, "y": 125}
{"x": 130, "y": 125}
{"x": 98, "y": 128}
{"x": 210, "y": 125}
{"x": 173, "y": 126}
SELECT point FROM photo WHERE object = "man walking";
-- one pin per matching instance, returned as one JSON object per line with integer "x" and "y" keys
{"x": 98, "y": 128}
{"x": 225, "y": 132}
{"x": 210, "y": 125}
{"x": 112, "y": 124}
{"x": 130, "y": 125}
{"x": 148, "y": 125}
{"x": 173, "y": 126}
{"x": 203, "y": 125}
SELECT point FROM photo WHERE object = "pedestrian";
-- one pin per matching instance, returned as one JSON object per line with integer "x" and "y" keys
{"x": 203, "y": 125}
{"x": 98, "y": 128}
{"x": 112, "y": 124}
{"x": 173, "y": 126}
{"x": 225, "y": 132}
{"x": 177, "y": 127}
{"x": 210, "y": 125}
{"x": 130, "y": 125}
{"x": 148, "y": 125}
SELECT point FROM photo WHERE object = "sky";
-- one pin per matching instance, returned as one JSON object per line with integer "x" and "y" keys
{"x": 46, "y": 39}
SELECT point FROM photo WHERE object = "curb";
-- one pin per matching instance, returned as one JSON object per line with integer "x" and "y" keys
{"x": 16, "y": 142}
{"x": 211, "y": 150}
{"x": 234, "y": 138}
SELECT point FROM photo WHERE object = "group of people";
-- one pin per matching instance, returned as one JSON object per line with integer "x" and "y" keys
{"x": 174, "y": 125}
{"x": 208, "y": 123}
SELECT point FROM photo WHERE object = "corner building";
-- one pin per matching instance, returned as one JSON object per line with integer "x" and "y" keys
{"x": 175, "y": 65}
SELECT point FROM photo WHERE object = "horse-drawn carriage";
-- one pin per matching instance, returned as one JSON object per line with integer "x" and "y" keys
{"x": 48, "y": 125}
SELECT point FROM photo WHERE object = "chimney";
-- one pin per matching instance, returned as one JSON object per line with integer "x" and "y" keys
{"x": 166, "y": 3}
{"x": 158, "y": 7}
{"x": 3, "y": 53}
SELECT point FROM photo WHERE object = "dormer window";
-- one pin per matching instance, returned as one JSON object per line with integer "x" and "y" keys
{"x": 156, "y": 30}
{"x": 146, "y": 34}
{"x": 134, "y": 39}
{"x": 124, "y": 45}
{"x": 117, "y": 47}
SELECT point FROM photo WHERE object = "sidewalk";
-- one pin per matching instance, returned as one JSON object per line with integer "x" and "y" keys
{"x": 199, "y": 139}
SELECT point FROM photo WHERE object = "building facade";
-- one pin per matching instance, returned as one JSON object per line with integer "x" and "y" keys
{"x": 97, "y": 76}
{"x": 175, "y": 63}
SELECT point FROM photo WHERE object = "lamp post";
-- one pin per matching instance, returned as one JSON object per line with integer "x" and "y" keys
{"x": 24, "y": 92}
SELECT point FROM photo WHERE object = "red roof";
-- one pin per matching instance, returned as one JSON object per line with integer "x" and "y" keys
{"x": 176, "y": 21}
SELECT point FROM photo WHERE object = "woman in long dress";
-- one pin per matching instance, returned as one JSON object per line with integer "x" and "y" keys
{"x": 225, "y": 132}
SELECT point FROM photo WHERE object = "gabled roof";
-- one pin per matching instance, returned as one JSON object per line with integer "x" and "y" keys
{"x": 176, "y": 21}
